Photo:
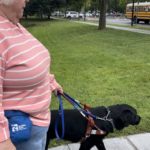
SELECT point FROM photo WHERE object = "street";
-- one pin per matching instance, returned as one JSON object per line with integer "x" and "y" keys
{"x": 121, "y": 21}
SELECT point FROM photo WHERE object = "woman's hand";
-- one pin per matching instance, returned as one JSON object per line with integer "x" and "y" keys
{"x": 7, "y": 145}
{"x": 58, "y": 88}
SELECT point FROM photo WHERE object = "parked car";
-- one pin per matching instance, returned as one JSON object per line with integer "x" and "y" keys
{"x": 71, "y": 14}
{"x": 115, "y": 14}
{"x": 107, "y": 14}
{"x": 57, "y": 13}
{"x": 120, "y": 13}
{"x": 97, "y": 14}
{"x": 89, "y": 14}
{"x": 81, "y": 15}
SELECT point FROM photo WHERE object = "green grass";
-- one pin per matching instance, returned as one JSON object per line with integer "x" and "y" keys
{"x": 101, "y": 68}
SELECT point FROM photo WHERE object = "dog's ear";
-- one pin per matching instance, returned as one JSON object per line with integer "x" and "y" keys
{"x": 126, "y": 117}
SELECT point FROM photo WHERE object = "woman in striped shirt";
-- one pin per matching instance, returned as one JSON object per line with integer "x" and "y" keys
{"x": 25, "y": 82}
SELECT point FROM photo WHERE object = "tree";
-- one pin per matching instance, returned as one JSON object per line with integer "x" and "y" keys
{"x": 78, "y": 4}
{"x": 102, "y": 19}
{"x": 86, "y": 8}
{"x": 123, "y": 3}
{"x": 31, "y": 8}
{"x": 68, "y": 3}
{"x": 94, "y": 6}
{"x": 114, "y": 5}
{"x": 50, "y": 5}
{"x": 42, "y": 7}
{"x": 47, "y": 8}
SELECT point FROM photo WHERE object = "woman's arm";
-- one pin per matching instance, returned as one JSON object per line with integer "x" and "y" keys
{"x": 7, "y": 145}
{"x": 5, "y": 142}
{"x": 54, "y": 86}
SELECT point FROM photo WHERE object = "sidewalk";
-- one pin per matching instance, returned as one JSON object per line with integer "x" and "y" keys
{"x": 132, "y": 142}
{"x": 119, "y": 28}
{"x": 113, "y": 27}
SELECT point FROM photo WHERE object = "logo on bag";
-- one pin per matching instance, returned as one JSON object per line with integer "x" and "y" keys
{"x": 16, "y": 127}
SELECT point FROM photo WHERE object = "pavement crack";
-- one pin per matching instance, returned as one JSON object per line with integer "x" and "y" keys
{"x": 68, "y": 147}
{"x": 133, "y": 146}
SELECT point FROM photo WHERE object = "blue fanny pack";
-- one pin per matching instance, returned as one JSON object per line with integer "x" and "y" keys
{"x": 19, "y": 125}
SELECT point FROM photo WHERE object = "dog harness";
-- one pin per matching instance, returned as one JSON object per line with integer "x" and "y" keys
{"x": 85, "y": 113}
{"x": 90, "y": 125}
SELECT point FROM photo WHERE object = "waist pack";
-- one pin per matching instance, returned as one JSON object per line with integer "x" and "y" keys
{"x": 19, "y": 125}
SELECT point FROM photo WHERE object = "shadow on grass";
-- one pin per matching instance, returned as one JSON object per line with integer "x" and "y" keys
{"x": 35, "y": 19}
{"x": 30, "y": 22}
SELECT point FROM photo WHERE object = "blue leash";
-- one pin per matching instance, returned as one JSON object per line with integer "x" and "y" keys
{"x": 77, "y": 106}
{"x": 61, "y": 114}
{"x": 84, "y": 112}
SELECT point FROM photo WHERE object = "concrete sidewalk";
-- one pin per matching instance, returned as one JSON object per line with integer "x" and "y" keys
{"x": 132, "y": 142}
{"x": 114, "y": 27}
{"x": 119, "y": 28}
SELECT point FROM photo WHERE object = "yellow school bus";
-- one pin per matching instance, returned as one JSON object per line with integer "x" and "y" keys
{"x": 141, "y": 12}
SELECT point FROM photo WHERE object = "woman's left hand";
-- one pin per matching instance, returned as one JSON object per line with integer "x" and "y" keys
{"x": 58, "y": 88}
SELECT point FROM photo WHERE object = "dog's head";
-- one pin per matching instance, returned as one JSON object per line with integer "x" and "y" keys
{"x": 124, "y": 115}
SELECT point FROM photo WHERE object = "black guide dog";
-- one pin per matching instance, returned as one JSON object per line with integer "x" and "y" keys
{"x": 75, "y": 124}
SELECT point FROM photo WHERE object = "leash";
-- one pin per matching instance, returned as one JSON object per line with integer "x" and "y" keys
{"x": 61, "y": 114}
{"x": 85, "y": 113}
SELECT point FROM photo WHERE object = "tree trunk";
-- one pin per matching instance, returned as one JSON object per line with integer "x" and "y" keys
{"x": 102, "y": 18}
{"x": 49, "y": 15}
{"x": 65, "y": 11}
{"x": 78, "y": 14}
{"x": 59, "y": 13}
{"x": 26, "y": 16}
{"x": 95, "y": 12}
{"x": 85, "y": 13}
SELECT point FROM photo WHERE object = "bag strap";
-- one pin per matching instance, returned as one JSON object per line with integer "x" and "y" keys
{"x": 10, "y": 113}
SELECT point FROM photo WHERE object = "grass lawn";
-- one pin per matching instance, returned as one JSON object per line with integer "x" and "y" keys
{"x": 105, "y": 67}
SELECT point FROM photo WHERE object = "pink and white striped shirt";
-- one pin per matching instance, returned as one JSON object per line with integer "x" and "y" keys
{"x": 25, "y": 82}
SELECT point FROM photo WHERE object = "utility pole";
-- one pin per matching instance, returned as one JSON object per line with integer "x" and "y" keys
{"x": 137, "y": 12}
{"x": 132, "y": 13}
{"x": 85, "y": 13}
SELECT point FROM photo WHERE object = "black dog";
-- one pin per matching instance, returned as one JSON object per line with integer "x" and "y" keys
{"x": 76, "y": 125}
